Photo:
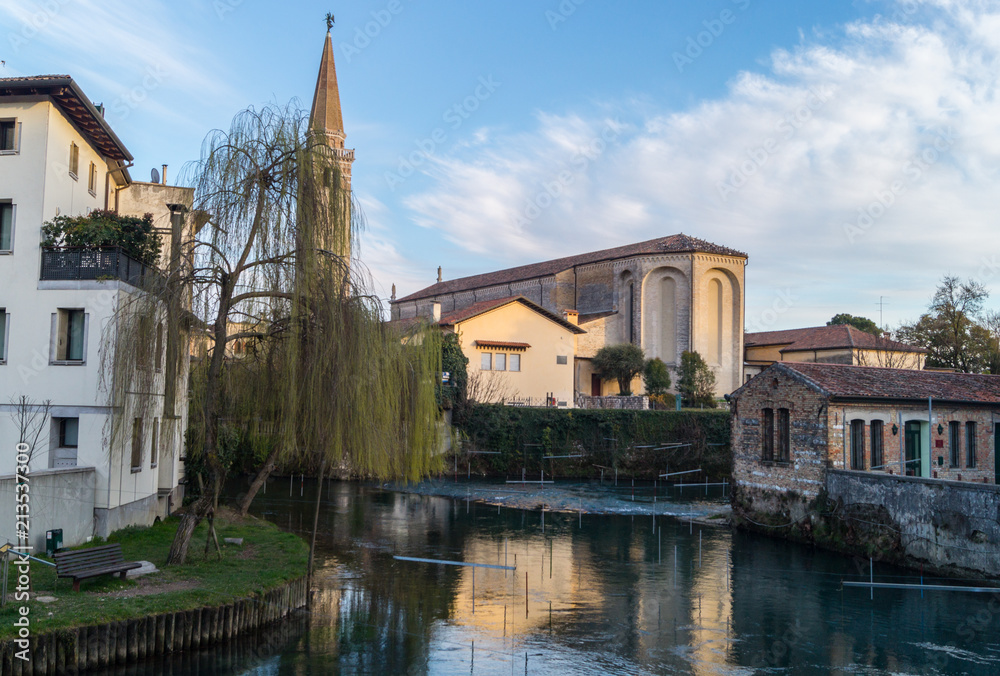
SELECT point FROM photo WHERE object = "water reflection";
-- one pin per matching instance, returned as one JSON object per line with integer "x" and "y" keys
{"x": 605, "y": 595}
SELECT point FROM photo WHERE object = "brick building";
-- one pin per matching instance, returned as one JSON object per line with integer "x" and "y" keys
{"x": 795, "y": 421}
{"x": 666, "y": 295}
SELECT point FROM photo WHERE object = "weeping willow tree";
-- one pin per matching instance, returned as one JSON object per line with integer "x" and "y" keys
{"x": 324, "y": 380}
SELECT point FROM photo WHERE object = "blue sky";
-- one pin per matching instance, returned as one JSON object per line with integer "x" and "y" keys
{"x": 851, "y": 149}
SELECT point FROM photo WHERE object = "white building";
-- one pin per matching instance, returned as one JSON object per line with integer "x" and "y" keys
{"x": 58, "y": 156}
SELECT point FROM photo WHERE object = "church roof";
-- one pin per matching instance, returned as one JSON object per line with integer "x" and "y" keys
{"x": 838, "y": 336}
{"x": 326, "y": 115}
{"x": 680, "y": 243}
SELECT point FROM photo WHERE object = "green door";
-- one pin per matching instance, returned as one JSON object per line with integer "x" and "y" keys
{"x": 913, "y": 465}
{"x": 996, "y": 453}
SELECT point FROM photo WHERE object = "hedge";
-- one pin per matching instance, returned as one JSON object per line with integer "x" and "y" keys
{"x": 627, "y": 440}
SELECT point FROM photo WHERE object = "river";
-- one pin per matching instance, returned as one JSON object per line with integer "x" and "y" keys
{"x": 591, "y": 594}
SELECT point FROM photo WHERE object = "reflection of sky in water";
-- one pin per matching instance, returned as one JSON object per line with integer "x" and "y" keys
{"x": 620, "y": 601}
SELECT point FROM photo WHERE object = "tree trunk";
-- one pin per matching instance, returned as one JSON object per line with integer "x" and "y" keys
{"x": 258, "y": 482}
{"x": 189, "y": 521}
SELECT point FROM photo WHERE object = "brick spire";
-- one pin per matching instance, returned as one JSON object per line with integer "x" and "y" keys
{"x": 325, "y": 116}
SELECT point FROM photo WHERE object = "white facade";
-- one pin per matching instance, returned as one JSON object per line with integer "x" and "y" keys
{"x": 52, "y": 337}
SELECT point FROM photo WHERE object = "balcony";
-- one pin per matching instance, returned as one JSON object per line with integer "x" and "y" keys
{"x": 80, "y": 264}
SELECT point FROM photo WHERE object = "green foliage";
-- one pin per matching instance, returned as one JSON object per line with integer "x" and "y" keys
{"x": 954, "y": 331}
{"x": 697, "y": 382}
{"x": 621, "y": 362}
{"x": 656, "y": 377}
{"x": 494, "y": 427}
{"x": 454, "y": 362}
{"x": 860, "y": 323}
{"x": 102, "y": 228}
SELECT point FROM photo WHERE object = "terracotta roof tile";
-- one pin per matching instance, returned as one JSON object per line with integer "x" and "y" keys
{"x": 838, "y": 336}
{"x": 680, "y": 243}
{"x": 840, "y": 380}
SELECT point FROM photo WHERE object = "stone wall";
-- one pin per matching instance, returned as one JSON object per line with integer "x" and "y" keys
{"x": 946, "y": 524}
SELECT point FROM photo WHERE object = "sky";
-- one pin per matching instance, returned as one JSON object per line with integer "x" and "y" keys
{"x": 850, "y": 149}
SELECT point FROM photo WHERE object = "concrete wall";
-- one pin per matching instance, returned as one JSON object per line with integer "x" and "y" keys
{"x": 947, "y": 524}
{"x": 57, "y": 498}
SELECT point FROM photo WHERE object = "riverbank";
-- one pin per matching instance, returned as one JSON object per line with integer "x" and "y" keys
{"x": 687, "y": 503}
{"x": 267, "y": 559}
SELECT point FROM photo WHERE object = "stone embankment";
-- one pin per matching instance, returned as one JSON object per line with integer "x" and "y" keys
{"x": 119, "y": 644}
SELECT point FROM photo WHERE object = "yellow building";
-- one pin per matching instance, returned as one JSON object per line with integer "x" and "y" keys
{"x": 518, "y": 351}
{"x": 838, "y": 344}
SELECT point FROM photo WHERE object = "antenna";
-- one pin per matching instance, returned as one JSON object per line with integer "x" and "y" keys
{"x": 154, "y": 176}
{"x": 881, "y": 303}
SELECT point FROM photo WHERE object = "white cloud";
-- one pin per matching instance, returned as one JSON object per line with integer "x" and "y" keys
{"x": 806, "y": 148}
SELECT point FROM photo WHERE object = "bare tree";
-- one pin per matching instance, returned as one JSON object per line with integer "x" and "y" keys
{"x": 489, "y": 387}
{"x": 31, "y": 420}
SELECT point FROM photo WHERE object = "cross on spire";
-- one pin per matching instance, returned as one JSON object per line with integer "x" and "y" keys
{"x": 329, "y": 21}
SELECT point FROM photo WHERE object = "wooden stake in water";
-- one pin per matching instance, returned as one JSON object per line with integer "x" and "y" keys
{"x": 302, "y": 486}
{"x": 871, "y": 576}
{"x": 473, "y": 591}
{"x": 659, "y": 543}
{"x": 699, "y": 549}
{"x": 675, "y": 566}
{"x": 526, "y": 608}
{"x": 505, "y": 555}
{"x": 291, "y": 484}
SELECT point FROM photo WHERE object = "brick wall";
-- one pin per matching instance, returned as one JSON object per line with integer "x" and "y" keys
{"x": 804, "y": 473}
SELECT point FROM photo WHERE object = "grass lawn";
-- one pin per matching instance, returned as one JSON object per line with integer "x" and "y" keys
{"x": 267, "y": 558}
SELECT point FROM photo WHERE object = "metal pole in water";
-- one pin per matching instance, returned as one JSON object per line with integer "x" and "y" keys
{"x": 616, "y": 476}
{"x": 291, "y": 484}
{"x": 675, "y": 566}
{"x": 302, "y": 486}
{"x": 699, "y": 549}
{"x": 659, "y": 543}
{"x": 871, "y": 576}
{"x": 526, "y": 608}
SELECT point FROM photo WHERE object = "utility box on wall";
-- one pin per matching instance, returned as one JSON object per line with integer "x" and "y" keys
{"x": 53, "y": 541}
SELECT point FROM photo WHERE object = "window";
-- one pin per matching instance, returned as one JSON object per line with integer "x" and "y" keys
{"x": 74, "y": 160}
{"x": 137, "y": 445}
{"x": 500, "y": 362}
{"x": 4, "y": 330}
{"x": 955, "y": 434}
{"x": 562, "y": 359}
{"x": 9, "y": 144}
{"x": 6, "y": 227}
{"x": 767, "y": 434}
{"x": 515, "y": 362}
{"x": 69, "y": 432}
{"x": 970, "y": 444}
{"x": 154, "y": 449}
{"x": 70, "y": 344}
{"x": 92, "y": 180}
{"x": 857, "y": 444}
{"x": 878, "y": 457}
{"x": 487, "y": 362}
{"x": 784, "y": 435}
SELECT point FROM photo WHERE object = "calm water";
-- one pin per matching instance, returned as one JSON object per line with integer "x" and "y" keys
{"x": 615, "y": 595}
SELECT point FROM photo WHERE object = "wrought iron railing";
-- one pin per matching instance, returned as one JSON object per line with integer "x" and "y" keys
{"x": 80, "y": 263}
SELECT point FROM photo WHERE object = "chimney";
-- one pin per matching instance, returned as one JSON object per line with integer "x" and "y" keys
{"x": 393, "y": 292}
{"x": 439, "y": 274}
{"x": 572, "y": 316}
{"x": 163, "y": 176}
{"x": 435, "y": 311}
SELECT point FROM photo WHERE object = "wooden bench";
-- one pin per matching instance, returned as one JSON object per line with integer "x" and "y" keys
{"x": 81, "y": 564}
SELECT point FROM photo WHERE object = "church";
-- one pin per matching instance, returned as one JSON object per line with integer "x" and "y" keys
{"x": 666, "y": 295}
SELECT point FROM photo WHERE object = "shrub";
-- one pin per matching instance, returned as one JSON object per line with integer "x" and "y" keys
{"x": 656, "y": 377}
{"x": 100, "y": 228}
{"x": 697, "y": 382}
{"x": 621, "y": 362}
